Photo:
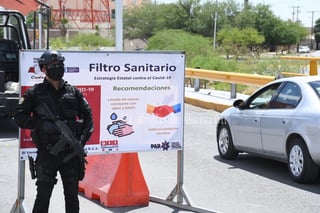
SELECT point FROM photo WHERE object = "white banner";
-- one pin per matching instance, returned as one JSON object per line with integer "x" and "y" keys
{"x": 137, "y": 98}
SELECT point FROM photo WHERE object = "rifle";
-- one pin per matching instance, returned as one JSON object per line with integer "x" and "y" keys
{"x": 66, "y": 136}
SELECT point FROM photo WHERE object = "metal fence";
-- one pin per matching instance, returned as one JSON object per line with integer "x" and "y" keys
{"x": 195, "y": 75}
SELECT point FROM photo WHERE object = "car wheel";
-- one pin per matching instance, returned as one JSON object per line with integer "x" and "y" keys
{"x": 225, "y": 143}
{"x": 301, "y": 167}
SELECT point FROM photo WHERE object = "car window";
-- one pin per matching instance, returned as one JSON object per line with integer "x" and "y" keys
{"x": 316, "y": 86}
{"x": 288, "y": 97}
{"x": 8, "y": 51}
{"x": 262, "y": 99}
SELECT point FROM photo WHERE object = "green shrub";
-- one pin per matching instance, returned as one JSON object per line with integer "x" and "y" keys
{"x": 84, "y": 41}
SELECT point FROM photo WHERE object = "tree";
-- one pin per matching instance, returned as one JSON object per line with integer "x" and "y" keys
{"x": 191, "y": 16}
{"x": 246, "y": 18}
{"x": 317, "y": 38}
{"x": 144, "y": 21}
{"x": 204, "y": 21}
{"x": 316, "y": 32}
{"x": 268, "y": 25}
{"x": 188, "y": 10}
{"x": 140, "y": 22}
{"x": 192, "y": 44}
{"x": 62, "y": 27}
{"x": 252, "y": 39}
{"x": 238, "y": 42}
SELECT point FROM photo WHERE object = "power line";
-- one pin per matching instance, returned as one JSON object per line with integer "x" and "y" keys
{"x": 312, "y": 15}
{"x": 298, "y": 11}
{"x": 312, "y": 27}
{"x": 295, "y": 11}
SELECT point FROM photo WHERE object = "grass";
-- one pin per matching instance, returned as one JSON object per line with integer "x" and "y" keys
{"x": 271, "y": 66}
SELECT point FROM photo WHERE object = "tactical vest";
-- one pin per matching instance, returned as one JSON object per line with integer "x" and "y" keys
{"x": 64, "y": 105}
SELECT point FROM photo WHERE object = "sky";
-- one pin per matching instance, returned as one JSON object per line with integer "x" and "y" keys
{"x": 285, "y": 9}
{"x": 293, "y": 9}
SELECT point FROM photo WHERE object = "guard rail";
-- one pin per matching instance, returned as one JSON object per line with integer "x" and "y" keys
{"x": 244, "y": 78}
{"x": 313, "y": 62}
{"x": 231, "y": 77}
{"x": 228, "y": 77}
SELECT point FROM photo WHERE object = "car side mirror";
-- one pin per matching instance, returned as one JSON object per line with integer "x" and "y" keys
{"x": 239, "y": 104}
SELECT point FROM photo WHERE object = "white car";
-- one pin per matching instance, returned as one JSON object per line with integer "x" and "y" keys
{"x": 304, "y": 49}
{"x": 280, "y": 121}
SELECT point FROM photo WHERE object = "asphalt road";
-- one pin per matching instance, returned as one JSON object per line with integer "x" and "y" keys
{"x": 247, "y": 185}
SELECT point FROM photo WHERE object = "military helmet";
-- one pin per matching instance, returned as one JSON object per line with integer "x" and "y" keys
{"x": 50, "y": 56}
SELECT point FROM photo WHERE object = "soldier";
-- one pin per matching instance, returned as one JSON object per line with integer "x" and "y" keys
{"x": 69, "y": 105}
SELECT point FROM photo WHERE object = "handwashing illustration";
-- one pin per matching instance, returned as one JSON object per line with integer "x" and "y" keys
{"x": 119, "y": 128}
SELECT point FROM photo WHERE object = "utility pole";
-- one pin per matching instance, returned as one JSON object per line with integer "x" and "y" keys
{"x": 215, "y": 25}
{"x": 298, "y": 11}
{"x": 312, "y": 27}
{"x": 293, "y": 12}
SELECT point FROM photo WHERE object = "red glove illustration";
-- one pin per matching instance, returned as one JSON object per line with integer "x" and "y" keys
{"x": 164, "y": 110}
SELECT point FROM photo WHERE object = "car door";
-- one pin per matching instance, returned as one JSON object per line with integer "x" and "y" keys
{"x": 277, "y": 120}
{"x": 246, "y": 124}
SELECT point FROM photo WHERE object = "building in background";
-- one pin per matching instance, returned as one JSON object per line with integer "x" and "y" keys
{"x": 86, "y": 14}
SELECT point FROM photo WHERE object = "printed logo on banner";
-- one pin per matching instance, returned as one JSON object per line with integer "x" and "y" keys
{"x": 164, "y": 146}
{"x": 176, "y": 145}
{"x": 36, "y": 73}
{"x": 109, "y": 145}
{"x": 72, "y": 69}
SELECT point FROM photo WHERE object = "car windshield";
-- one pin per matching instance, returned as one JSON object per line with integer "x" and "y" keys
{"x": 316, "y": 86}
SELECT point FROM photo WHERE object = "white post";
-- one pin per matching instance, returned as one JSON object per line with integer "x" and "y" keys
{"x": 40, "y": 29}
{"x": 18, "y": 206}
{"x": 215, "y": 26}
{"x": 119, "y": 26}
